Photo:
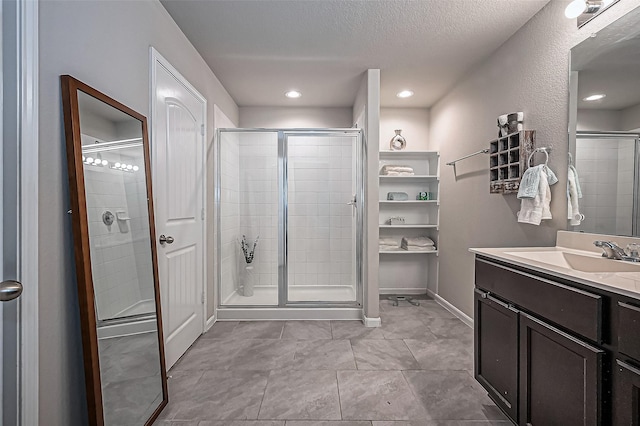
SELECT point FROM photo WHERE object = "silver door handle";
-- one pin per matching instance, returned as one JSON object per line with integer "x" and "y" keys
{"x": 164, "y": 239}
{"x": 10, "y": 290}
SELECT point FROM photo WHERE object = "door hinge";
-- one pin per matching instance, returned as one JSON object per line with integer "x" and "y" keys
{"x": 202, "y": 129}
{"x": 202, "y": 298}
{"x": 202, "y": 214}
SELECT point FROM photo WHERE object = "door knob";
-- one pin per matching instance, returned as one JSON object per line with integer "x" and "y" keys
{"x": 10, "y": 290}
{"x": 165, "y": 239}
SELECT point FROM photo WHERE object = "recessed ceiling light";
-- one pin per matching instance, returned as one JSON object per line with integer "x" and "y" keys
{"x": 404, "y": 94}
{"x": 594, "y": 97}
{"x": 293, "y": 94}
{"x": 575, "y": 9}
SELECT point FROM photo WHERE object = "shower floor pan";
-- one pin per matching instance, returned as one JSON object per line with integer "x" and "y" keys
{"x": 268, "y": 296}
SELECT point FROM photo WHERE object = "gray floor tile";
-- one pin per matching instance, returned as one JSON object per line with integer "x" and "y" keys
{"x": 257, "y": 330}
{"x": 328, "y": 423}
{"x": 377, "y": 395}
{"x": 307, "y": 330}
{"x": 222, "y": 395}
{"x": 446, "y": 423}
{"x": 301, "y": 395}
{"x": 176, "y": 423}
{"x": 259, "y": 354}
{"x": 405, "y": 328}
{"x": 432, "y": 309}
{"x": 452, "y": 395}
{"x": 324, "y": 355}
{"x": 180, "y": 384}
{"x": 442, "y": 354}
{"x": 450, "y": 329}
{"x": 242, "y": 423}
{"x": 221, "y": 330}
{"x": 210, "y": 354}
{"x": 383, "y": 355}
{"x": 354, "y": 330}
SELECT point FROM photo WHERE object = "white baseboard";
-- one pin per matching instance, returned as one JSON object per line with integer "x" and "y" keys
{"x": 403, "y": 291}
{"x": 209, "y": 323}
{"x": 449, "y": 307}
{"x": 371, "y": 322}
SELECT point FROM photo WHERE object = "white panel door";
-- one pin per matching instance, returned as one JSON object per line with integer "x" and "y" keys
{"x": 179, "y": 177}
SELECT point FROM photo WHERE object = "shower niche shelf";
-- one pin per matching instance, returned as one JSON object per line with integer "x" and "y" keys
{"x": 508, "y": 161}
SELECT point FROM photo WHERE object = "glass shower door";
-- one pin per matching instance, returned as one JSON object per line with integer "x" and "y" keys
{"x": 322, "y": 214}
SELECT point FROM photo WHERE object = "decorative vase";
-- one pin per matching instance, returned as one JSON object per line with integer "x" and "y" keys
{"x": 247, "y": 282}
{"x": 398, "y": 142}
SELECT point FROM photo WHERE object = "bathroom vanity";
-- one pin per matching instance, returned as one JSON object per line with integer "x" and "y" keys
{"x": 557, "y": 333}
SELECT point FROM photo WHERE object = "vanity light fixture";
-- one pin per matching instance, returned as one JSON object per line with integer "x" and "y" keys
{"x": 595, "y": 97}
{"x": 293, "y": 94}
{"x": 585, "y": 10}
{"x": 404, "y": 94}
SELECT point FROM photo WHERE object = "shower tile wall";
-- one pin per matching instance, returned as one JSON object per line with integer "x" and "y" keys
{"x": 258, "y": 208}
{"x": 321, "y": 243}
{"x": 624, "y": 213}
{"x": 120, "y": 253}
{"x": 229, "y": 213}
{"x": 605, "y": 170}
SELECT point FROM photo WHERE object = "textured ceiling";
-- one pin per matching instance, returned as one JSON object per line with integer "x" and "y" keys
{"x": 260, "y": 49}
{"x": 609, "y": 63}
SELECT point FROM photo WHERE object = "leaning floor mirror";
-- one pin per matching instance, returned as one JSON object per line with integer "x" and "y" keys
{"x": 115, "y": 254}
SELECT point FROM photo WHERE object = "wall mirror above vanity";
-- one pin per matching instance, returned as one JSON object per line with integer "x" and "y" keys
{"x": 604, "y": 130}
{"x": 115, "y": 255}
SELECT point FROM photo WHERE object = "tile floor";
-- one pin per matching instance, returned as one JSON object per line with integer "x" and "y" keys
{"x": 416, "y": 370}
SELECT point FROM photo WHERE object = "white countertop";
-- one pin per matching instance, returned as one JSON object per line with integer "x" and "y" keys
{"x": 624, "y": 283}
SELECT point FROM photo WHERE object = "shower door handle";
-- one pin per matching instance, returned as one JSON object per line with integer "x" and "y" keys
{"x": 10, "y": 290}
{"x": 353, "y": 202}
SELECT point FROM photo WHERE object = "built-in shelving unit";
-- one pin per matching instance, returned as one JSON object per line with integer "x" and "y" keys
{"x": 421, "y": 218}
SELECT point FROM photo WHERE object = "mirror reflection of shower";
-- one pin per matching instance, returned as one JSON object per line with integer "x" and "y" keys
{"x": 119, "y": 227}
{"x": 607, "y": 166}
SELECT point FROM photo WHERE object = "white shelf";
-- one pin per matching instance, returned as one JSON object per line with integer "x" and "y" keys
{"x": 407, "y": 226}
{"x": 409, "y": 153}
{"x": 409, "y": 202}
{"x": 407, "y": 252}
{"x": 409, "y": 177}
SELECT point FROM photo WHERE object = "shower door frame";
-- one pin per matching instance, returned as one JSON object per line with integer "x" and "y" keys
{"x": 592, "y": 134}
{"x": 283, "y": 273}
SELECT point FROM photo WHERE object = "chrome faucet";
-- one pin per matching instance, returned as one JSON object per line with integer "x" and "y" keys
{"x": 611, "y": 250}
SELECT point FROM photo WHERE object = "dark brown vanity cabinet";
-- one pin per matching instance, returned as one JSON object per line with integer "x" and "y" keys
{"x": 536, "y": 367}
{"x": 626, "y": 405}
{"x": 496, "y": 348}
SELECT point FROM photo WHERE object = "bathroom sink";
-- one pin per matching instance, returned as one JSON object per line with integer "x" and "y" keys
{"x": 577, "y": 262}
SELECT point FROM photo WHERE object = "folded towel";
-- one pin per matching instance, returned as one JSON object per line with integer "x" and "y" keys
{"x": 417, "y": 241}
{"x": 396, "y": 169}
{"x": 388, "y": 242}
{"x": 398, "y": 174}
{"x": 413, "y": 248}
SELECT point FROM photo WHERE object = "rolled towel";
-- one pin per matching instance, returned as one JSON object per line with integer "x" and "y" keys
{"x": 388, "y": 169}
{"x": 398, "y": 174}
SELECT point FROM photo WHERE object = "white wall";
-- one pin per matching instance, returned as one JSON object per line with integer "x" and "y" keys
{"x": 414, "y": 123}
{"x": 528, "y": 73}
{"x": 630, "y": 118}
{"x": 106, "y": 45}
{"x": 598, "y": 119}
{"x": 294, "y": 117}
{"x": 366, "y": 114}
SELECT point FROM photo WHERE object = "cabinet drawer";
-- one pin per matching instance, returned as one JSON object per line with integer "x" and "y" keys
{"x": 574, "y": 309}
{"x": 629, "y": 329}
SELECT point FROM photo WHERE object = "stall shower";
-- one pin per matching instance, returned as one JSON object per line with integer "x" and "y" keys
{"x": 608, "y": 167}
{"x": 290, "y": 218}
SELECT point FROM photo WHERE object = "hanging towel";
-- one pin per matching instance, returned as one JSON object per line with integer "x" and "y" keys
{"x": 574, "y": 216}
{"x": 531, "y": 181}
{"x": 534, "y": 210}
{"x": 575, "y": 175}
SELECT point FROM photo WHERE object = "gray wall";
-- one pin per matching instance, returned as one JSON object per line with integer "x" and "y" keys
{"x": 528, "y": 73}
{"x": 106, "y": 45}
{"x": 295, "y": 117}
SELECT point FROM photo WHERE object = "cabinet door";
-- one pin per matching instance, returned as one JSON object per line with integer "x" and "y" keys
{"x": 560, "y": 377}
{"x": 496, "y": 351}
{"x": 626, "y": 396}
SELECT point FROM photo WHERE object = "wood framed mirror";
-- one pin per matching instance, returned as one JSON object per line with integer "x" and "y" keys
{"x": 116, "y": 258}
